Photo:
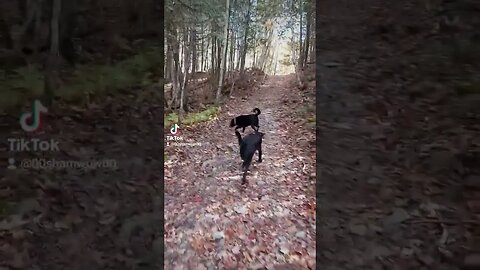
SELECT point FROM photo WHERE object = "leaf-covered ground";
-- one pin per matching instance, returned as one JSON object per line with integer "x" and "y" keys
{"x": 398, "y": 146}
{"x": 101, "y": 218}
{"x": 211, "y": 221}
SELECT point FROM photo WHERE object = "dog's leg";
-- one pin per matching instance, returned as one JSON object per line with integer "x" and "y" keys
{"x": 260, "y": 153}
{"x": 245, "y": 170}
{"x": 244, "y": 178}
{"x": 239, "y": 137}
{"x": 243, "y": 130}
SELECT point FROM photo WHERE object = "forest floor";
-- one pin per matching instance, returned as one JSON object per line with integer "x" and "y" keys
{"x": 397, "y": 137}
{"x": 379, "y": 207}
{"x": 108, "y": 217}
{"x": 211, "y": 221}
{"x": 102, "y": 214}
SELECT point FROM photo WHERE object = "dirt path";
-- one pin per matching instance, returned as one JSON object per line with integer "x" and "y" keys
{"x": 211, "y": 222}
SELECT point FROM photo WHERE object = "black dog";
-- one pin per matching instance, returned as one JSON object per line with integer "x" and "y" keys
{"x": 248, "y": 145}
{"x": 246, "y": 120}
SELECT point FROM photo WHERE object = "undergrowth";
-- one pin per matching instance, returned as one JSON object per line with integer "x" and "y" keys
{"x": 4, "y": 209}
{"x": 307, "y": 112}
{"x": 468, "y": 88}
{"x": 192, "y": 118}
{"x": 87, "y": 80}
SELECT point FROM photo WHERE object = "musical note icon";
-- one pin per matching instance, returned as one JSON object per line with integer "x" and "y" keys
{"x": 35, "y": 115}
{"x": 174, "y": 130}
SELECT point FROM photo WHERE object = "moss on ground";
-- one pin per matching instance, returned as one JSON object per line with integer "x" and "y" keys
{"x": 192, "y": 118}
{"x": 85, "y": 81}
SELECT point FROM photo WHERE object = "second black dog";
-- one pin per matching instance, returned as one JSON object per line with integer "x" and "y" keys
{"x": 243, "y": 121}
{"x": 248, "y": 146}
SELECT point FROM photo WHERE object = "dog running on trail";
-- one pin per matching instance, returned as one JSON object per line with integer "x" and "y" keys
{"x": 248, "y": 146}
{"x": 243, "y": 121}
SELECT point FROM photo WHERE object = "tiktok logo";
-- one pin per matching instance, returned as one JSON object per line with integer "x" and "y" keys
{"x": 175, "y": 128}
{"x": 35, "y": 117}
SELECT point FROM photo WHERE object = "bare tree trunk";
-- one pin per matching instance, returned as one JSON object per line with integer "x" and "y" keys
{"x": 175, "y": 68}
{"x": 293, "y": 57}
{"x": 307, "y": 37}
{"x": 202, "y": 50}
{"x": 67, "y": 27}
{"x": 193, "y": 48}
{"x": 214, "y": 42}
{"x": 51, "y": 77}
{"x": 5, "y": 32}
{"x": 266, "y": 51}
{"x": 181, "y": 63}
{"x": 245, "y": 45}
{"x": 218, "y": 62}
{"x": 224, "y": 53}
{"x": 37, "y": 27}
{"x": 173, "y": 75}
{"x": 232, "y": 51}
{"x": 254, "y": 63}
{"x": 213, "y": 62}
{"x": 205, "y": 68}
{"x": 300, "y": 55}
{"x": 226, "y": 43}
{"x": 218, "y": 56}
{"x": 237, "y": 57}
{"x": 187, "y": 64}
{"x": 168, "y": 64}
{"x": 181, "y": 59}
{"x": 31, "y": 8}
{"x": 312, "y": 37}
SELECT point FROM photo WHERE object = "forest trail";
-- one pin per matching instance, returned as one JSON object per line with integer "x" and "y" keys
{"x": 211, "y": 221}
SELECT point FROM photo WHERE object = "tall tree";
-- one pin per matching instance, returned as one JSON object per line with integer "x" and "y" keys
{"x": 300, "y": 53}
{"x": 51, "y": 77}
{"x": 224, "y": 53}
{"x": 307, "y": 34}
{"x": 245, "y": 44}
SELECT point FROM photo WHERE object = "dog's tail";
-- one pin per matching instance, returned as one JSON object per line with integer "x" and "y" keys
{"x": 239, "y": 137}
{"x": 257, "y": 111}
{"x": 232, "y": 123}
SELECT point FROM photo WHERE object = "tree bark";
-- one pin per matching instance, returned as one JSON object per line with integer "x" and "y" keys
{"x": 51, "y": 77}
{"x": 175, "y": 68}
{"x": 187, "y": 64}
{"x": 168, "y": 63}
{"x": 67, "y": 27}
{"x": 245, "y": 45}
{"x": 312, "y": 37}
{"x": 224, "y": 53}
{"x": 206, "y": 67}
{"x": 300, "y": 55}
{"x": 31, "y": 9}
{"x": 254, "y": 63}
{"x": 202, "y": 51}
{"x": 232, "y": 51}
{"x": 193, "y": 49}
{"x": 219, "y": 58}
{"x": 214, "y": 42}
{"x": 307, "y": 37}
